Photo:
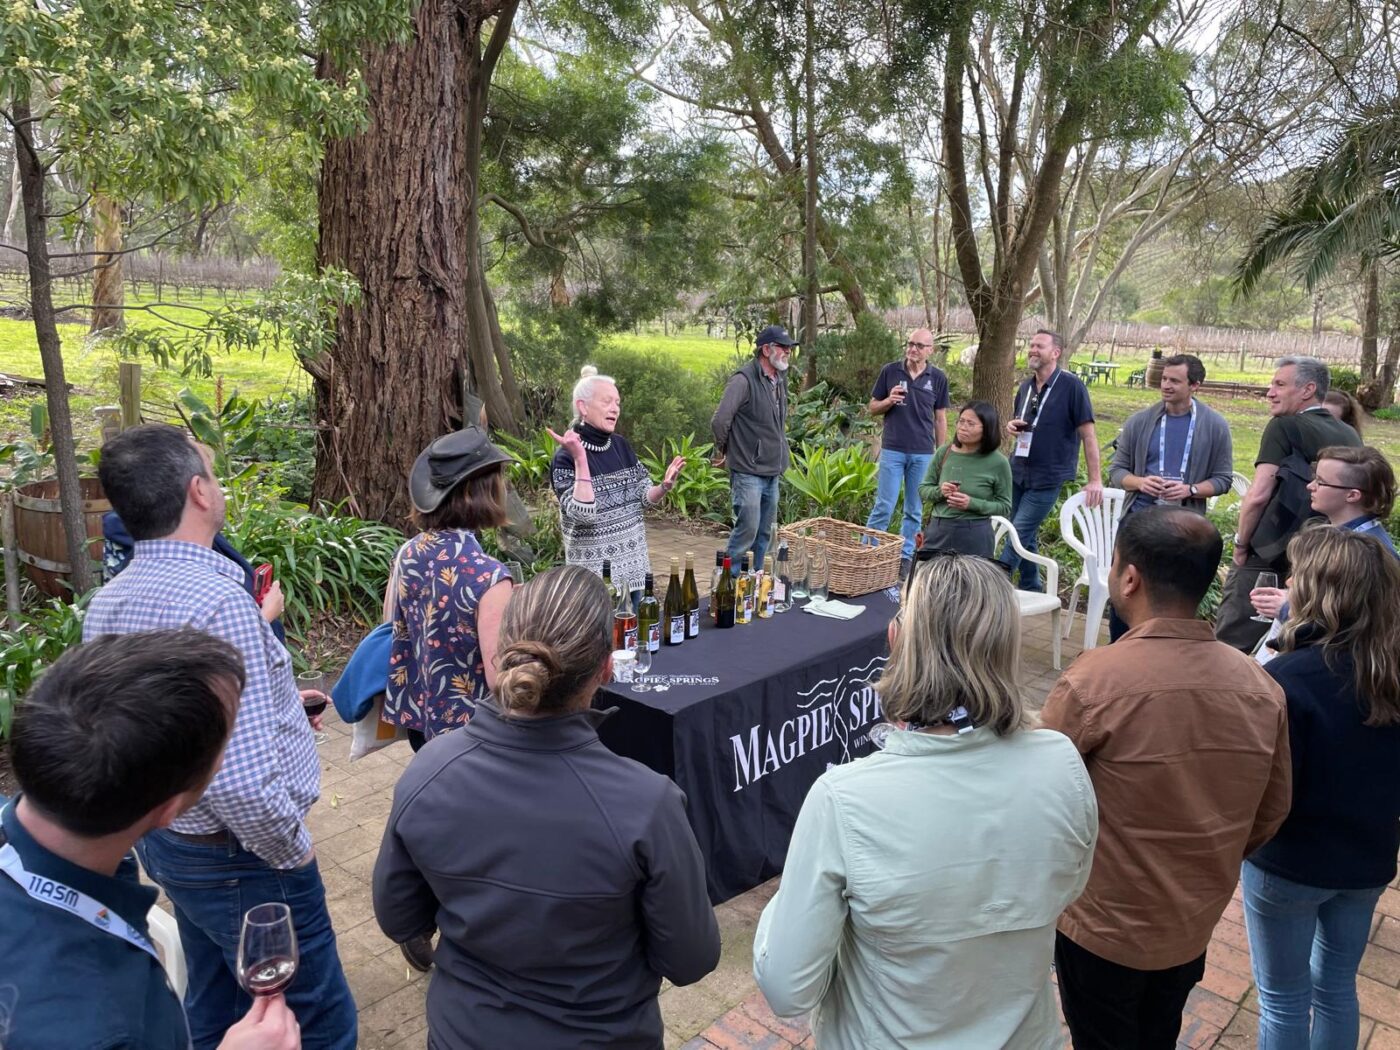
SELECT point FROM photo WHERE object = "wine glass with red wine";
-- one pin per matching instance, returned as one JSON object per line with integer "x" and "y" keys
{"x": 313, "y": 680}
{"x": 267, "y": 950}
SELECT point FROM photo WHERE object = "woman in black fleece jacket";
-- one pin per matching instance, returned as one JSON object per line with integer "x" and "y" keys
{"x": 1310, "y": 893}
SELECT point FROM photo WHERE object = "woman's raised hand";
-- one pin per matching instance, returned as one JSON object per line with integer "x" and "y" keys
{"x": 673, "y": 472}
{"x": 570, "y": 441}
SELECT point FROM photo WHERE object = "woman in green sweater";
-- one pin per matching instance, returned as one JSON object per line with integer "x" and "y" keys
{"x": 969, "y": 482}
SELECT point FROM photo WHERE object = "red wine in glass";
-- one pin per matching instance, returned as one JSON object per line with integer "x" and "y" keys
{"x": 267, "y": 949}
{"x": 270, "y": 976}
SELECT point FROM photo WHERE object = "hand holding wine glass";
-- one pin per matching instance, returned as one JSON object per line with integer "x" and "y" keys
{"x": 267, "y": 949}
{"x": 269, "y": 1024}
{"x": 1266, "y": 581}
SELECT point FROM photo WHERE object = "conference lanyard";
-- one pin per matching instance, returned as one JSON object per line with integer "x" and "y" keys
{"x": 1040, "y": 400}
{"x": 1185, "y": 452}
{"x": 92, "y": 911}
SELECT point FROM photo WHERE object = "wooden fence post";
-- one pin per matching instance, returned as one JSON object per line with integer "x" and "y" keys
{"x": 7, "y": 537}
{"x": 129, "y": 380}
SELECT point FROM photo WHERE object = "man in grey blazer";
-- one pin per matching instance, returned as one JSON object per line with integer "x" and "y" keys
{"x": 1176, "y": 452}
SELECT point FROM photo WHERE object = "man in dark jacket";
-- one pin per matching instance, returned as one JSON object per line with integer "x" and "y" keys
{"x": 750, "y": 431}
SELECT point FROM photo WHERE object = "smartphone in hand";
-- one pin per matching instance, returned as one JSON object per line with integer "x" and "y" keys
{"x": 262, "y": 582}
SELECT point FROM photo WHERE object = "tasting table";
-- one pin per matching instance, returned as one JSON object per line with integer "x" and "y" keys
{"x": 751, "y": 716}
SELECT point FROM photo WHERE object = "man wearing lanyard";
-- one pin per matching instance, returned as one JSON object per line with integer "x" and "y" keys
{"x": 1176, "y": 452}
{"x": 911, "y": 396}
{"x": 1053, "y": 415}
{"x": 118, "y": 737}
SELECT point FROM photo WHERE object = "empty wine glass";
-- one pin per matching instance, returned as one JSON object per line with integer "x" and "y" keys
{"x": 1266, "y": 580}
{"x": 517, "y": 572}
{"x": 819, "y": 569}
{"x": 643, "y": 665}
{"x": 267, "y": 949}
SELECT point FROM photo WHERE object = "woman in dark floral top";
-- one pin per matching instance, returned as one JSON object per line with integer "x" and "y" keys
{"x": 446, "y": 595}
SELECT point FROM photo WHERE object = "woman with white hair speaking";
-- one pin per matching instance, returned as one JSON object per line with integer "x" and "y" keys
{"x": 603, "y": 488}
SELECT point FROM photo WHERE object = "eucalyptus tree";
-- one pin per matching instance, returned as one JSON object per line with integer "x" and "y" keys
{"x": 153, "y": 97}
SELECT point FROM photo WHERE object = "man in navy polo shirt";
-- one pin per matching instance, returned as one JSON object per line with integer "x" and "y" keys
{"x": 119, "y": 736}
{"x": 911, "y": 397}
{"x": 1052, "y": 415}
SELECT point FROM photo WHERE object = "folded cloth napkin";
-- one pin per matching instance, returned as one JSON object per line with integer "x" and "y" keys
{"x": 830, "y": 607}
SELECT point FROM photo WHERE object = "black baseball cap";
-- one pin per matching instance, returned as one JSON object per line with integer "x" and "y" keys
{"x": 774, "y": 333}
{"x": 447, "y": 462}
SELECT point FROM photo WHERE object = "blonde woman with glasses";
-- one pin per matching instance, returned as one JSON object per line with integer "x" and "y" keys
{"x": 1311, "y": 892}
{"x": 919, "y": 899}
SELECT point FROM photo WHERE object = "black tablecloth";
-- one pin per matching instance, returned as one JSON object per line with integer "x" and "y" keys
{"x": 752, "y": 717}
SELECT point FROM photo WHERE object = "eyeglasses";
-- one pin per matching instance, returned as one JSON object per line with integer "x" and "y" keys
{"x": 1329, "y": 485}
{"x": 920, "y": 346}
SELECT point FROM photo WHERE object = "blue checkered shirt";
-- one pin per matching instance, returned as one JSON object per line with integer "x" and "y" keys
{"x": 271, "y": 774}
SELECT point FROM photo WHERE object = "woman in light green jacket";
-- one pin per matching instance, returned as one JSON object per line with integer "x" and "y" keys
{"x": 919, "y": 899}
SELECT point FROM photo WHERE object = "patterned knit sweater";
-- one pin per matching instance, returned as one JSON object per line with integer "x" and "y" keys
{"x": 611, "y": 526}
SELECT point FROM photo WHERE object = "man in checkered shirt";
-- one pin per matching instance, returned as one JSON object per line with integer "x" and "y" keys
{"x": 246, "y": 841}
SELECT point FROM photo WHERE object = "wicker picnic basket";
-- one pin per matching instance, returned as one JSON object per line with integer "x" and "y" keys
{"x": 856, "y": 567}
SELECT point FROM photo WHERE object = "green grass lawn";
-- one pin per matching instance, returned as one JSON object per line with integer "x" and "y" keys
{"x": 92, "y": 369}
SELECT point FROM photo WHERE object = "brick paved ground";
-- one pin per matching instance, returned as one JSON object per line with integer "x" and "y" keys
{"x": 725, "y": 1010}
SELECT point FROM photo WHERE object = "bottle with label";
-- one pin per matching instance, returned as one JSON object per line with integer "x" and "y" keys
{"x": 743, "y": 594}
{"x": 714, "y": 584}
{"x": 722, "y": 600}
{"x": 649, "y": 617}
{"x": 782, "y": 582}
{"x": 690, "y": 595}
{"x": 607, "y": 582}
{"x": 765, "y": 589}
{"x": 624, "y": 622}
{"x": 673, "y": 631}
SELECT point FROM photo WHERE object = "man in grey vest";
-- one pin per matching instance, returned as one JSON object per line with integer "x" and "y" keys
{"x": 750, "y": 431}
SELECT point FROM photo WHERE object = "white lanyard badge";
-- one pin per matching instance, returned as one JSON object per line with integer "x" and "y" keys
{"x": 1024, "y": 437}
{"x": 92, "y": 911}
{"x": 1186, "y": 450}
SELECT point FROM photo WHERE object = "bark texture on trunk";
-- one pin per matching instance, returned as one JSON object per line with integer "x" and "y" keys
{"x": 107, "y": 292}
{"x": 36, "y": 233}
{"x": 395, "y": 206}
{"x": 1370, "y": 320}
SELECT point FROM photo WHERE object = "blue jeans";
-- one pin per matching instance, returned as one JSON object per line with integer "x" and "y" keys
{"x": 212, "y": 887}
{"x": 1305, "y": 944}
{"x": 755, "y": 500}
{"x": 900, "y": 468}
{"x": 1029, "y": 509}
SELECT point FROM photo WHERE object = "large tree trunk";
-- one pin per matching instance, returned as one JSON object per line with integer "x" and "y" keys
{"x": 810, "y": 293}
{"x": 107, "y": 294}
{"x": 1370, "y": 318}
{"x": 36, "y": 233}
{"x": 393, "y": 205}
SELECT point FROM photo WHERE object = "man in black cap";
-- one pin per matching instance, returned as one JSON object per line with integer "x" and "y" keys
{"x": 750, "y": 431}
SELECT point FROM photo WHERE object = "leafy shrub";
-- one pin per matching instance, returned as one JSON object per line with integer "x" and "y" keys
{"x": 325, "y": 562}
{"x": 283, "y": 440}
{"x": 833, "y": 484}
{"x": 702, "y": 490}
{"x": 850, "y": 361}
{"x": 533, "y": 457}
{"x": 820, "y": 416}
{"x": 43, "y": 634}
{"x": 542, "y": 550}
{"x": 1344, "y": 379}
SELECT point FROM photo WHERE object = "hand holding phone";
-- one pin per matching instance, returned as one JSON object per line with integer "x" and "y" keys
{"x": 262, "y": 582}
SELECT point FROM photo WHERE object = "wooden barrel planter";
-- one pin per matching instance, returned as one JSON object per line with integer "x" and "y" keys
{"x": 1154, "y": 372}
{"x": 39, "y": 538}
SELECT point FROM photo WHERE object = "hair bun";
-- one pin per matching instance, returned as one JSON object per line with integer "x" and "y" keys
{"x": 587, "y": 370}
{"x": 527, "y": 670}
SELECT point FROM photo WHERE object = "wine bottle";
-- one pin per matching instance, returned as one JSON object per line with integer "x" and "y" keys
{"x": 714, "y": 583}
{"x": 782, "y": 583}
{"x": 743, "y": 594}
{"x": 607, "y": 582}
{"x": 649, "y": 617}
{"x": 690, "y": 595}
{"x": 624, "y": 623}
{"x": 722, "y": 599}
{"x": 674, "y": 608}
{"x": 765, "y": 590}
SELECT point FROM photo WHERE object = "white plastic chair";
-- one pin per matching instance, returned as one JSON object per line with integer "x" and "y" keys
{"x": 165, "y": 935}
{"x": 1239, "y": 485}
{"x": 1091, "y": 533}
{"x": 1031, "y": 603}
